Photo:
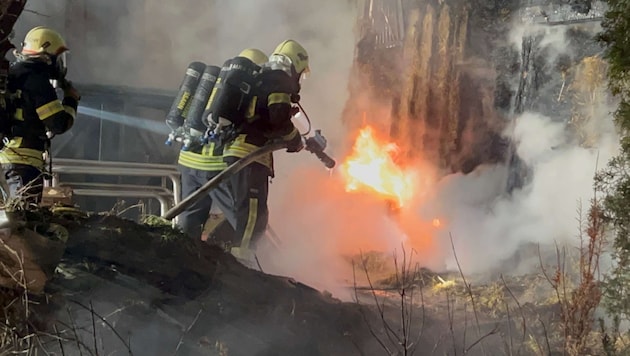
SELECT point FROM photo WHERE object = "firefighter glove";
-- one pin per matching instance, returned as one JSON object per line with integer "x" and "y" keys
{"x": 69, "y": 90}
{"x": 295, "y": 144}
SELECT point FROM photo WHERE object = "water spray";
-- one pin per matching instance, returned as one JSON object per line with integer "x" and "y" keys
{"x": 133, "y": 121}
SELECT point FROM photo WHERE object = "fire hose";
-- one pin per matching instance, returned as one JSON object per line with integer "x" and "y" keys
{"x": 315, "y": 145}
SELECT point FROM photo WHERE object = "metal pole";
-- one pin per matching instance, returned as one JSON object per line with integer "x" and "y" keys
{"x": 127, "y": 193}
{"x": 91, "y": 162}
{"x": 100, "y": 134}
{"x": 161, "y": 190}
{"x": 113, "y": 171}
{"x": 177, "y": 187}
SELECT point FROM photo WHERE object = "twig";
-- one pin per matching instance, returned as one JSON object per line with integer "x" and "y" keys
{"x": 36, "y": 12}
{"x": 423, "y": 320}
{"x": 41, "y": 346}
{"x": 465, "y": 329}
{"x": 520, "y": 309}
{"x": 510, "y": 347}
{"x": 406, "y": 312}
{"x": 127, "y": 345}
{"x": 181, "y": 339}
{"x": 367, "y": 322}
{"x": 75, "y": 337}
{"x": 391, "y": 334}
{"x": 468, "y": 289}
{"x": 450, "y": 313}
{"x": 139, "y": 205}
{"x": 436, "y": 345}
{"x": 93, "y": 328}
{"x": 490, "y": 333}
{"x": 546, "y": 334}
{"x": 59, "y": 339}
{"x": 74, "y": 330}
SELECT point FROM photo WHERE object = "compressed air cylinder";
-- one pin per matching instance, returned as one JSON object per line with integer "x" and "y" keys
{"x": 232, "y": 95}
{"x": 176, "y": 115}
{"x": 200, "y": 99}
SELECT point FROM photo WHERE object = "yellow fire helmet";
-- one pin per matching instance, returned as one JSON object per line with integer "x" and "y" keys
{"x": 255, "y": 55}
{"x": 296, "y": 53}
{"x": 40, "y": 40}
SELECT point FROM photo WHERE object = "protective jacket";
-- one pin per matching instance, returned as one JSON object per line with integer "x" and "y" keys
{"x": 272, "y": 116}
{"x": 37, "y": 110}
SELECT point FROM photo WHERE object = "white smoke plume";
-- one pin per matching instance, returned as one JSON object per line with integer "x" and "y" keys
{"x": 488, "y": 226}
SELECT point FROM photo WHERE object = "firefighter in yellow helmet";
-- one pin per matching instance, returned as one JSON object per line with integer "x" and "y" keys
{"x": 289, "y": 58}
{"x": 264, "y": 117}
{"x": 201, "y": 163}
{"x": 37, "y": 113}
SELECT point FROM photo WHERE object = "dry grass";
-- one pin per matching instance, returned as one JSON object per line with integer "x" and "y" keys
{"x": 15, "y": 328}
{"x": 550, "y": 313}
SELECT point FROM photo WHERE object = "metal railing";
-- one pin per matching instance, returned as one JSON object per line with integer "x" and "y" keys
{"x": 163, "y": 195}
{"x": 166, "y": 197}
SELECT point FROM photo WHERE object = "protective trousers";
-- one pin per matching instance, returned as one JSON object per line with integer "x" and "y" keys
{"x": 249, "y": 213}
{"x": 24, "y": 181}
{"x": 192, "y": 220}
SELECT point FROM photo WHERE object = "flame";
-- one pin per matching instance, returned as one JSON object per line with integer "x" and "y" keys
{"x": 371, "y": 166}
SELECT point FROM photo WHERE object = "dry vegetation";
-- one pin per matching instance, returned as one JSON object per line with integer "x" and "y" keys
{"x": 548, "y": 312}
{"x": 551, "y": 311}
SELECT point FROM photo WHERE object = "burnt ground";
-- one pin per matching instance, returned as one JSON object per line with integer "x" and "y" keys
{"x": 128, "y": 288}
{"x": 148, "y": 290}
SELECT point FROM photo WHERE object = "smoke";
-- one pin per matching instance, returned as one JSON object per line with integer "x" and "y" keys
{"x": 489, "y": 226}
{"x": 148, "y": 44}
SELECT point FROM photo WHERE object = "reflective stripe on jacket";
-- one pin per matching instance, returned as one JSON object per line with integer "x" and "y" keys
{"x": 12, "y": 153}
{"x": 37, "y": 110}
{"x": 208, "y": 158}
{"x": 240, "y": 148}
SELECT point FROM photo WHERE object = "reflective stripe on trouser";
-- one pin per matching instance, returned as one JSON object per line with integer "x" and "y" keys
{"x": 192, "y": 219}
{"x": 249, "y": 188}
{"x": 24, "y": 181}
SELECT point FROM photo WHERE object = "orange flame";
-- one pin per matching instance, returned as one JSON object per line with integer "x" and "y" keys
{"x": 371, "y": 166}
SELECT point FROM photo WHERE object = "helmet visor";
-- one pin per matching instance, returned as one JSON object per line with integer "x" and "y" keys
{"x": 61, "y": 64}
{"x": 306, "y": 73}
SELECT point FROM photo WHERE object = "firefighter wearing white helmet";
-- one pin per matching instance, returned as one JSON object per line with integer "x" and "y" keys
{"x": 37, "y": 113}
{"x": 201, "y": 164}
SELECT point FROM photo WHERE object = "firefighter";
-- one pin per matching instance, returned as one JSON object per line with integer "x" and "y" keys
{"x": 38, "y": 113}
{"x": 277, "y": 88}
{"x": 199, "y": 165}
